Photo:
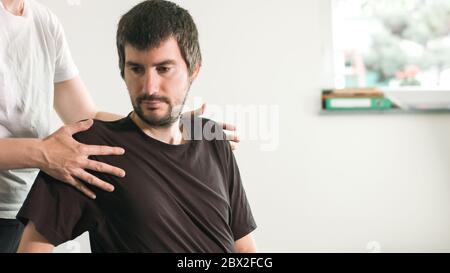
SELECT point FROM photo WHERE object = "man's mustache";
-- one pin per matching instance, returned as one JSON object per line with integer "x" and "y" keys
{"x": 142, "y": 98}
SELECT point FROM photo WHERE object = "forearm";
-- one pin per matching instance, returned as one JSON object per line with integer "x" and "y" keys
{"x": 246, "y": 244}
{"x": 104, "y": 116}
{"x": 20, "y": 153}
{"x": 249, "y": 249}
{"x": 33, "y": 242}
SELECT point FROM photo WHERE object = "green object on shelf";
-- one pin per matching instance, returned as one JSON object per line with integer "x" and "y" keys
{"x": 358, "y": 104}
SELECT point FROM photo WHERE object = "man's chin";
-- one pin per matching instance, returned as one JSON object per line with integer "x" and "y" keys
{"x": 153, "y": 112}
{"x": 155, "y": 120}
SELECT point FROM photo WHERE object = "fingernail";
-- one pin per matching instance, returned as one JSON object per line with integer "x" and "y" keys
{"x": 93, "y": 196}
{"x": 123, "y": 174}
{"x": 111, "y": 189}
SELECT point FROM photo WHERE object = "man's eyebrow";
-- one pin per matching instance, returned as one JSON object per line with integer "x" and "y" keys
{"x": 166, "y": 62}
{"x": 130, "y": 63}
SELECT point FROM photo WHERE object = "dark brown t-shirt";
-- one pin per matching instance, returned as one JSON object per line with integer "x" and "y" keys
{"x": 174, "y": 198}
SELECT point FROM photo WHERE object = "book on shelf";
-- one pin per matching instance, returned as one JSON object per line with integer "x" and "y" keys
{"x": 355, "y": 99}
{"x": 358, "y": 104}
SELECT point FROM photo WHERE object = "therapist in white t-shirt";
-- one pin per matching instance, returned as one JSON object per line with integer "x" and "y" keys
{"x": 36, "y": 74}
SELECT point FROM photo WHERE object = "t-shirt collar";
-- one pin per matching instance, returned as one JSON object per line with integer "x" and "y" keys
{"x": 25, "y": 14}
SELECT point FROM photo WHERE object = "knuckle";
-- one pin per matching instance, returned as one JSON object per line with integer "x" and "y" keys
{"x": 98, "y": 167}
{"x": 82, "y": 149}
{"x": 89, "y": 180}
{"x": 67, "y": 179}
{"x": 92, "y": 180}
{"x": 79, "y": 161}
{"x": 104, "y": 150}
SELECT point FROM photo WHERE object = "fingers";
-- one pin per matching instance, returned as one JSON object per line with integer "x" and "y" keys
{"x": 81, "y": 187}
{"x": 94, "y": 181}
{"x": 196, "y": 112}
{"x": 233, "y": 146}
{"x": 104, "y": 168}
{"x": 227, "y": 126}
{"x": 199, "y": 111}
{"x": 232, "y": 138}
{"x": 102, "y": 150}
{"x": 79, "y": 126}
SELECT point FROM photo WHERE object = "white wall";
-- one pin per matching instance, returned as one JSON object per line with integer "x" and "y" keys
{"x": 335, "y": 183}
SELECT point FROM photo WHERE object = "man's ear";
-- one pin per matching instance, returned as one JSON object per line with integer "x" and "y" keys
{"x": 195, "y": 73}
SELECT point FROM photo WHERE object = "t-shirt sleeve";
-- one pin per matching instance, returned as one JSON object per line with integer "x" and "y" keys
{"x": 65, "y": 68}
{"x": 59, "y": 211}
{"x": 242, "y": 221}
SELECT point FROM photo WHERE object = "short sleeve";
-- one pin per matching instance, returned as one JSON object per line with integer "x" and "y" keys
{"x": 65, "y": 68}
{"x": 59, "y": 211}
{"x": 242, "y": 221}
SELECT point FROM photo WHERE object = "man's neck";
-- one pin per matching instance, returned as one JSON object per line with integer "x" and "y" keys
{"x": 171, "y": 135}
{"x": 15, "y": 7}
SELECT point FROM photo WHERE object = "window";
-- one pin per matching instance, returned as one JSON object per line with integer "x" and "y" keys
{"x": 391, "y": 43}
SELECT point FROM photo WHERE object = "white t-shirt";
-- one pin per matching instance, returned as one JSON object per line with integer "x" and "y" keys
{"x": 33, "y": 56}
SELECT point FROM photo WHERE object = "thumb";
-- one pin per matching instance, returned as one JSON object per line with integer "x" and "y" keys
{"x": 80, "y": 126}
{"x": 195, "y": 113}
{"x": 200, "y": 111}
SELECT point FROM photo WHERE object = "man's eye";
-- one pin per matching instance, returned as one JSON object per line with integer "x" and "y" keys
{"x": 163, "y": 69}
{"x": 137, "y": 70}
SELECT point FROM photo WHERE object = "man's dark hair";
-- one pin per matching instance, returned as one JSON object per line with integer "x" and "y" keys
{"x": 152, "y": 22}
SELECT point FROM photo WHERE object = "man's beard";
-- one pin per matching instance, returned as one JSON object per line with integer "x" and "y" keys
{"x": 170, "y": 117}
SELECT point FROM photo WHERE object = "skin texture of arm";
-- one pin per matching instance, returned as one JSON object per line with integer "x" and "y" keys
{"x": 74, "y": 103}
{"x": 18, "y": 153}
{"x": 245, "y": 245}
{"x": 33, "y": 242}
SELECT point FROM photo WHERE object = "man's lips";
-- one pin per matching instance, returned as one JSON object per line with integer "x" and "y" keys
{"x": 152, "y": 103}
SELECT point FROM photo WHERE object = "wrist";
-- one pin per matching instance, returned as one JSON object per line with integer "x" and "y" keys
{"x": 37, "y": 156}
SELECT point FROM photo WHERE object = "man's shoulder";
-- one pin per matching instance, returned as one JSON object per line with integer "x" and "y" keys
{"x": 101, "y": 130}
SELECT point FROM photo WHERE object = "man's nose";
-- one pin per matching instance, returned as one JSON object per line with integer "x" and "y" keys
{"x": 151, "y": 84}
